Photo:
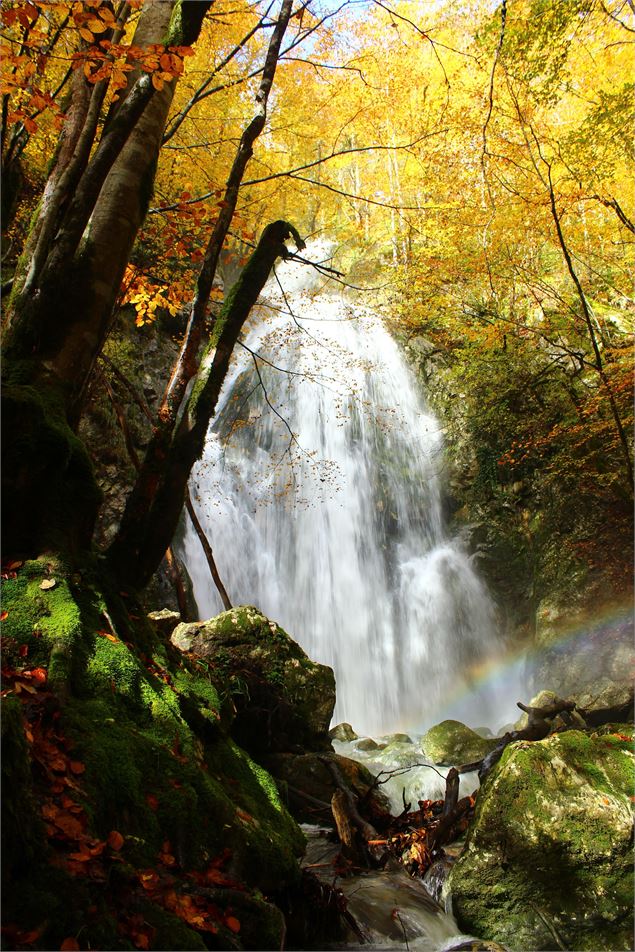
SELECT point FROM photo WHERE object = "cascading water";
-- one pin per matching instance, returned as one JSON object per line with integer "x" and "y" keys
{"x": 321, "y": 491}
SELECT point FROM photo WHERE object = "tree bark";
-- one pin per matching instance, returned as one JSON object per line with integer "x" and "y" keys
{"x": 63, "y": 314}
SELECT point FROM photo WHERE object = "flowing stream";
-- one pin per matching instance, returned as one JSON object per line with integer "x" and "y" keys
{"x": 321, "y": 490}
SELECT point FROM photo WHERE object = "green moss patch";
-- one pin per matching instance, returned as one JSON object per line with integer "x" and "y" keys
{"x": 123, "y": 751}
{"x": 550, "y": 850}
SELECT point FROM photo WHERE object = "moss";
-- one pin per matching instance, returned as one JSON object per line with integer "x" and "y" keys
{"x": 47, "y": 472}
{"x": 551, "y": 840}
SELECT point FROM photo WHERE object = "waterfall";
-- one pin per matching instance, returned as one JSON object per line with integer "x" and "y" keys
{"x": 320, "y": 489}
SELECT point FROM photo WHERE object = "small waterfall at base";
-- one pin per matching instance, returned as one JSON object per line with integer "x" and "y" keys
{"x": 321, "y": 491}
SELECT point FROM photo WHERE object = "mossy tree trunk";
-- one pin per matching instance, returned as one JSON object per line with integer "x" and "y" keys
{"x": 155, "y": 504}
{"x": 66, "y": 287}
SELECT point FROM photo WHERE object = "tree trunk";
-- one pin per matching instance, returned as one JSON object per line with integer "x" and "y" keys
{"x": 58, "y": 327}
{"x": 62, "y": 314}
{"x": 155, "y": 504}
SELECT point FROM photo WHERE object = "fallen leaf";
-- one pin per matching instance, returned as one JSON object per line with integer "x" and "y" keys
{"x": 108, "y": 635}
{"x": 77, "y": 767}
{"x": 45, "y": 585}
{"x": 115, "y": 840}
{"x": 152, "y": 801}
{"x": 24, "y": 650}
{"x": 4, "y": 615}
{"x": 70, "y": 945}
{"x": 232, "y": 923}
{"x": 38, "y": 674}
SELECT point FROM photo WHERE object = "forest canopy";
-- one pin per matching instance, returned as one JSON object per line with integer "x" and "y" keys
{"x": 479, "y": 155}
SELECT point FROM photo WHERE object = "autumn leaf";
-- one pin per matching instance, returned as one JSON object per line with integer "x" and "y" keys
{"x": 232, "y": 923}
{"x": 48, "y": 583}
{"x": 4, "y": 615}
{"x": 70, "y": 945}
{"x": 77, "y": 767}
{"x": 152, "y": 801}
{"x": 115, "y": 840}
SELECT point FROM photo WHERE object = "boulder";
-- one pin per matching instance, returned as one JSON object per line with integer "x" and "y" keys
{"x": 284, "y": 701}
{"x": 389, "y": 739}
{"x": 590, "y": 662}
{"x": 342, "y": 732}
{"x": 452, "y": 743}
{"x": 549, "y": 858}
{"x": 367, "y": 743}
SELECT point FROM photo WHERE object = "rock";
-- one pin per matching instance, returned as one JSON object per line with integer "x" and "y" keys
{"x": 284, "y": 701}
{"x": 310, "y": 783}
{"x": 550, "y": 849}
{"x": 546, "y": 699}
{"x": 367, "y": 743}
{"x": 483, "y": 731}
{"x": 435, "y": 878}
{"x": 342, "y": 732}
{"x": 451, "y": 742}
{"x": 165, "y": 621}
{"x": 593, "y": 666}
{"x": 388, "y": 739}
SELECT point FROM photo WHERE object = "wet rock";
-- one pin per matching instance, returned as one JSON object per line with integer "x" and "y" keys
{"x": 396, "y": 739}
{"x": 284, "y": 701}
{"x": 367, "y": 743}
{"x": 435, "y": 878}
{"x": 451, "y": 742}
{"x": 483, "y": 731}
{"x": 550, "y": 852}
{"x": 342, "y": 732}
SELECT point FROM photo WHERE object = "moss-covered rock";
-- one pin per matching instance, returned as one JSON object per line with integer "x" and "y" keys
{"x": 106, "y": 728}
{"x": 284, "y": 701}
{"x": 342, "y": 732}
{"x": 549, "y": 858}
{"x": 451, "y": 742}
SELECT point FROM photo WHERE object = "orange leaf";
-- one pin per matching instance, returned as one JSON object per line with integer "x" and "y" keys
{"x": 232, "y": 923}
{"x": 4, "y": 615}
{"x": 83, "y": 857}
{"x": 88, "y": 36}
{"x": 157, "y": 82}
{"x": 152, "y": 801}
{"x": 107, "y": 634}
{"x": 115, "y": 840}
{"x": 70, "y": 945}
{"x": 38, "y": 674}
{"x": 77, "y": 767}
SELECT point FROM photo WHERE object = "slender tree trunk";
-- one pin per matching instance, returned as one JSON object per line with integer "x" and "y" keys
{"x": 154, "y": 506}
{"x": 588, "y": 319}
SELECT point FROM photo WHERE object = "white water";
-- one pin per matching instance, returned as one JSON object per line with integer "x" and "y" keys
{"x": 339, "y": 534}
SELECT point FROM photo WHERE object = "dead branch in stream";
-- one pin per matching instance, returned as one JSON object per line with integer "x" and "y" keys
{"x": 416, "y": 839}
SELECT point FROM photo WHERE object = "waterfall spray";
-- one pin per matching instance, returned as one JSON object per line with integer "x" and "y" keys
{"x": 321, "y": 491}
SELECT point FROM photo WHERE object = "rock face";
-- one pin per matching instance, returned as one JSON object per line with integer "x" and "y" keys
{"x": 284, "y": 701}
{"x": 549, "y": 858}
{"x": 452, "y": 743}
{"x": 590, "y": 663}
